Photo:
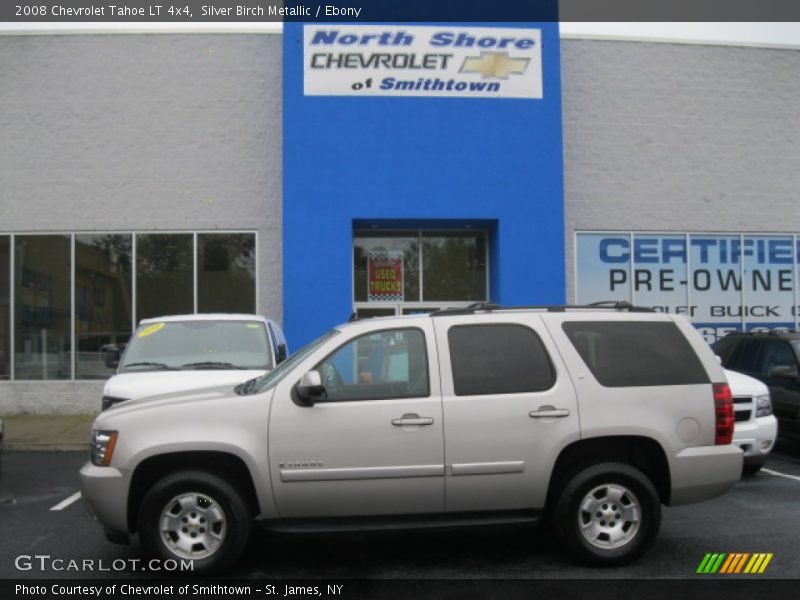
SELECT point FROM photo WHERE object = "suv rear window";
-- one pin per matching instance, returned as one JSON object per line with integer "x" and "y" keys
{"x": 498, "y": 359}
{"x": 636, "y": 353}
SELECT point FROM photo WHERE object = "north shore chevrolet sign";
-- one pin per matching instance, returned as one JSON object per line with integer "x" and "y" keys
{"x": 477, "y": 62}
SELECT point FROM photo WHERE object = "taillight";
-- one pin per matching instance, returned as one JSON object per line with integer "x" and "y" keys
{"x": 723, "y": 414}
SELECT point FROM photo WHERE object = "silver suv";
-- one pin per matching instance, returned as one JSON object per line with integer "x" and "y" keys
{"x": 589, "y": 418}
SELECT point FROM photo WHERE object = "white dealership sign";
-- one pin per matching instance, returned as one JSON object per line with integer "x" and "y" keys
{"x": 380, "y": 60}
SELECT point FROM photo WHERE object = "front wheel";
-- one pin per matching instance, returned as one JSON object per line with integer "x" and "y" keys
{"x": 194, "y": 516}
{"x": 607, "y": 514}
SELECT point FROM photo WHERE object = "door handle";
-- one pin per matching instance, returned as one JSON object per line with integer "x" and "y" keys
{"x": 412, "y": 419}
{"x": 548, "y": 412}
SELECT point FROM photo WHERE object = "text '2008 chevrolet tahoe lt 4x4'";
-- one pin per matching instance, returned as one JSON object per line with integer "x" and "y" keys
{"x": 591, "y": 418}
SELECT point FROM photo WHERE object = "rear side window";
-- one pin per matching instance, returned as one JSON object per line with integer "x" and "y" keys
{"x": 636, "y": 353}
{"x": 776, "y": 354}
{"x": 498, "y": 359}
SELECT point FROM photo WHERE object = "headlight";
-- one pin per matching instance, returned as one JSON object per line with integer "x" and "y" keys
{"x": 763, "y": 406}
{"x": 102, "y": 447}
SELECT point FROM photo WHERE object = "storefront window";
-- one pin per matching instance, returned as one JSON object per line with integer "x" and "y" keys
{"x": 54, "y": 337}
{"x": 417, "y": 271}
{"x": 42, "y": 340}
{"x": 5, "y": 315}
{"x": 453, "y": 267}
{"x": 164, "y": 274}
{"x": 226, "y": 272}
{"x": 103, "y": 307}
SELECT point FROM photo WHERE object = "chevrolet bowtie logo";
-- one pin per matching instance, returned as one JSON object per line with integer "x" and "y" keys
{"x": 497, "y": 65}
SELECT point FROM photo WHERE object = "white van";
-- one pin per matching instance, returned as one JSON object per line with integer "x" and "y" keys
{"x": 186, "y": 352}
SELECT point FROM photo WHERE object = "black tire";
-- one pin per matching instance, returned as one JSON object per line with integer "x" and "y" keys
{"x": 219, "y": 507}
{"x": 628, "y": 532}
{"x": 751, "y": 468}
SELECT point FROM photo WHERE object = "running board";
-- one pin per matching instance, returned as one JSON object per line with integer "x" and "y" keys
{"x": 404, "y": 522}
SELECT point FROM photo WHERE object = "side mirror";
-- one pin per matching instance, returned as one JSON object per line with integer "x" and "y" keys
{"x": 281, "y": 356}
{"x": 310, "y": 388}
{"x": 111, "y": 357}
{"x": 783, "y": 372}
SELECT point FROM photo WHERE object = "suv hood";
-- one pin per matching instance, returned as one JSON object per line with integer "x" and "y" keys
{"x": 132, "y": 386}
{"x": 744, "y": 385}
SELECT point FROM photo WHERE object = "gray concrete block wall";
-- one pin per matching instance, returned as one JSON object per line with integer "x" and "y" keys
{"x": 670, "y": 137}
{"x": 140, "y": 133}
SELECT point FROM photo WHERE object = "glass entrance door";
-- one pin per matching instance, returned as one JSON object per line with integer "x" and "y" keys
{"x": 408, "y": 272}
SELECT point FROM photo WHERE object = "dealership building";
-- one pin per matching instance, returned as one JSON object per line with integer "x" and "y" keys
{"x": 325, "y": 170}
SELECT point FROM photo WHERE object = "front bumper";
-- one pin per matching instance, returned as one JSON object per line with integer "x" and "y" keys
{"x": 756, "y": 437}
{"x": 704, "y": 472}
{"x": 105, "y": 491}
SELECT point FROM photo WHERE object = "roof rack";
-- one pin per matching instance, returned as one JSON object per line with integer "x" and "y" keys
{"x": 489, "y": 306}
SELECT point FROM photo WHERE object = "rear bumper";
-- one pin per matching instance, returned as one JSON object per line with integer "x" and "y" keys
{"x": 704, "y": 472}
{"x": 105, "y": 491}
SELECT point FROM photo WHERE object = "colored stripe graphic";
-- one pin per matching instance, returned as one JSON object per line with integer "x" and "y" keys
{"x": 732, "y": 563}
{"x": 740, "y": 564}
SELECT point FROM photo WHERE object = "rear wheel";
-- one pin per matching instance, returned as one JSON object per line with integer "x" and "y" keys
{"x": 607, "y": 514}
{"x": 197, "y": 516}
{"x": 752, "y": 468}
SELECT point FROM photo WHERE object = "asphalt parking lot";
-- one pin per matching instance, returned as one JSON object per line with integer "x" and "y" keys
{"x": 42, "y": 515}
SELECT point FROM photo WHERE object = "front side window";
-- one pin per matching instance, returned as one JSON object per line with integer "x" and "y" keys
{"x": 643, "y": 353}
{"x": 777, "y": 354}
{"x": 198, "y": 345}
{"x": 381, "y": 365}
{"x": 498, "y": 359}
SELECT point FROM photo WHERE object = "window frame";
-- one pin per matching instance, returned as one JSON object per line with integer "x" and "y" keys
{"x": 553, "y": 371}
{"x": 327, "y": 400}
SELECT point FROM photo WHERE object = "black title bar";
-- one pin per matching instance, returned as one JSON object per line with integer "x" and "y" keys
{"x": 255, "y": 11}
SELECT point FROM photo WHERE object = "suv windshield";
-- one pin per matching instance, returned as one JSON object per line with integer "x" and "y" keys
{"x": 198, "y": 345}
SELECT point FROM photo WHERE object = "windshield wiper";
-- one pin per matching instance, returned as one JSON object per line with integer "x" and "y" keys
{"x": 212, "y": 364}
{"x": 157, "y": 365}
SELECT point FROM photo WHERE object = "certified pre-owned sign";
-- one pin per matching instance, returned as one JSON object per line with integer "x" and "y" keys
{"x": 478, "y": 62}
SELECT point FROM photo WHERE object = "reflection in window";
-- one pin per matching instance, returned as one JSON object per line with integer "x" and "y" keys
{"x": 388, "y": 364}
{"x": 226, "y": 272}
{"x": 164, "y": 274}
{"x": 5, "y": 287}
{"x": 102, "y": 300}
{"x": 42, "y": 307}
{"x": 453, "y": 267}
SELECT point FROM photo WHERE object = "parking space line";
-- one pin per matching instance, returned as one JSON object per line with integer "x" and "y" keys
{"x": 777, "y": 474}
{"x": 66, "y": 502}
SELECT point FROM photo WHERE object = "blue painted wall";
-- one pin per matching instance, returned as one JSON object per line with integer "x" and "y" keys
{"x": 369, "y": 159}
